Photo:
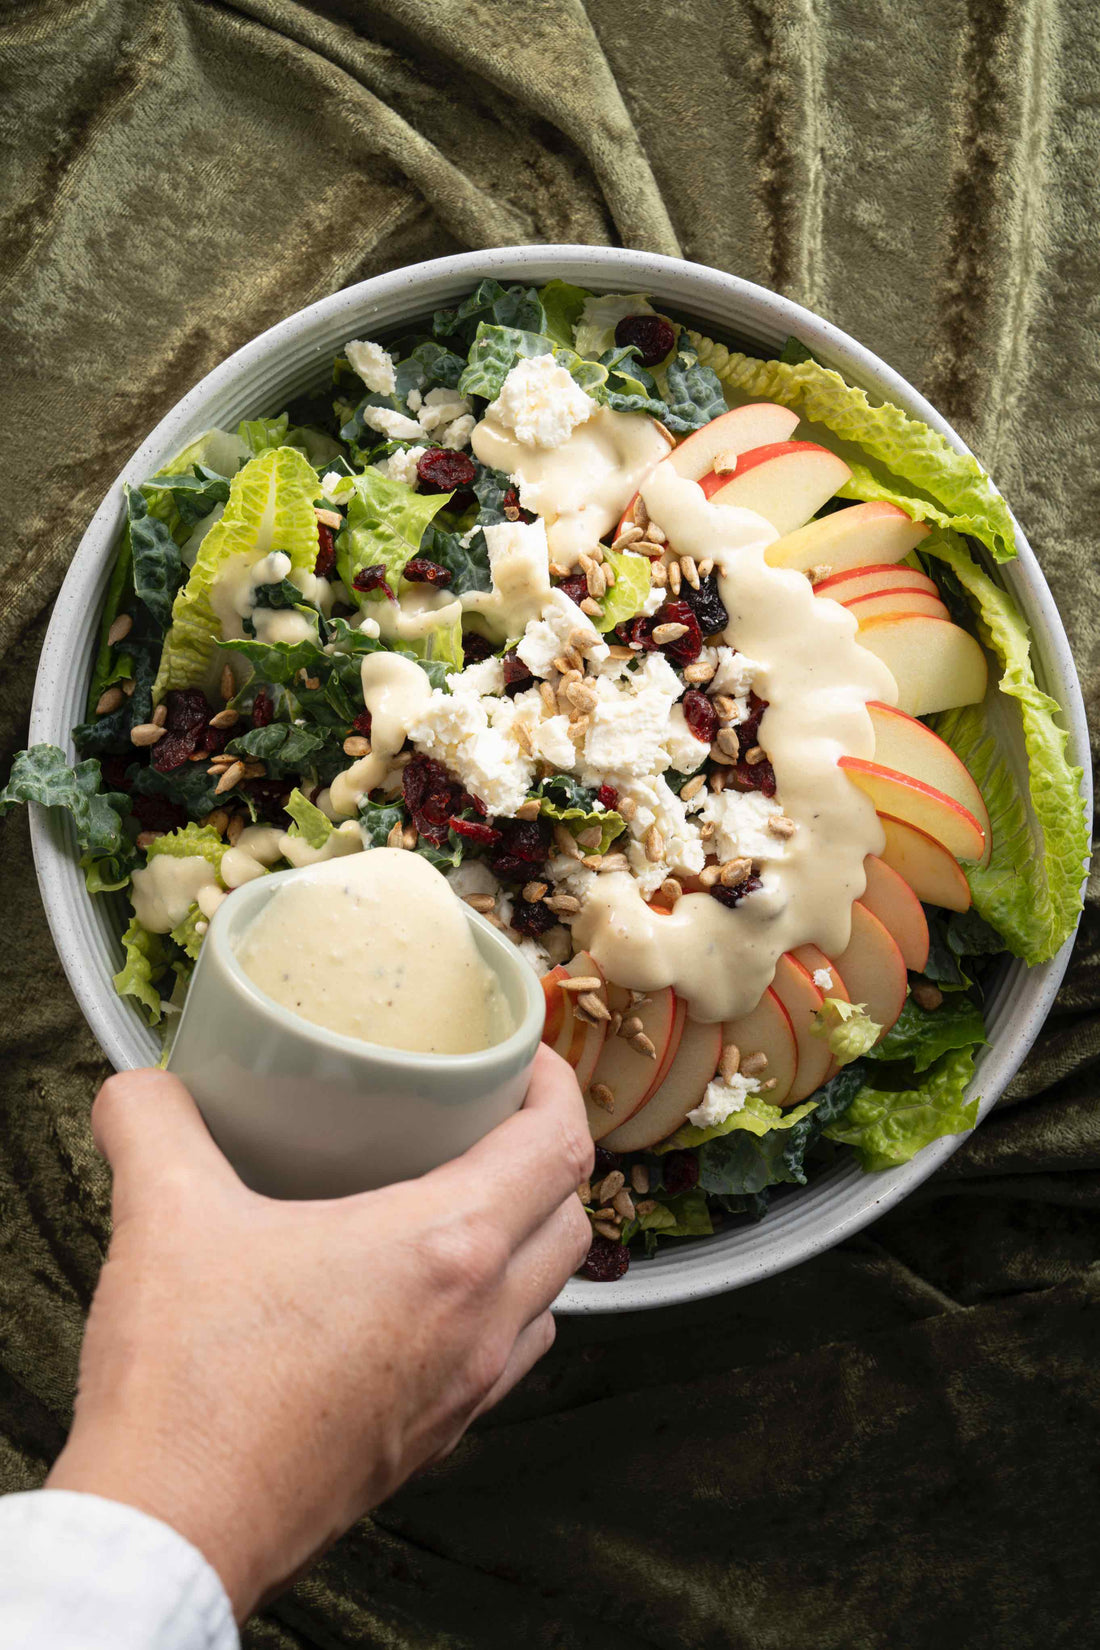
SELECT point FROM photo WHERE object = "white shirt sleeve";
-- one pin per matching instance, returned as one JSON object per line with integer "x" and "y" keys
{"x": 81, "y": 1573}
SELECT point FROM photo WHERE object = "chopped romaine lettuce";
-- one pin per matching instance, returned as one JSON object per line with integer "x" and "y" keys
{"x": 310, "y": 823}
{"x": 633, "y": 580}
{"x": 921, "y": 1035}
{"x": 190, "y": 842}
{"x": 562, "y": 306}
{"x": 147, "y": 961}
{"x": 385, "y": 524}
{"x": 579, "y": 819}
{"x": 888, "y": 1126}
{"x": 847, "y": 1028}
{"x": 757, "y": 1117}
{"x": 594, "y": 329}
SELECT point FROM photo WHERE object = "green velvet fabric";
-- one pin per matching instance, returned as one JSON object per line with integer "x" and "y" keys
{"x": 894, "y": 1445}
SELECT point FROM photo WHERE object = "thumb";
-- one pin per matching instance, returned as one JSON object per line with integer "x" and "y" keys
{"x": 149, "y": 1129}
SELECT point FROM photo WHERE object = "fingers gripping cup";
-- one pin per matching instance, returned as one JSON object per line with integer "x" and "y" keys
{"x": 353, "y": 1023}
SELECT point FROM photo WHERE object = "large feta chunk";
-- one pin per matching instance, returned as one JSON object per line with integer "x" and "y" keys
{"x": 629, "y": 723}
{"x": 734, "y": 674}
{"x": 374, "y": 366}
{"x": 723, "y": 1097}
{"x": 546, "y": 638}
{"x": 387, "y": 421}
{"x": 540, "y": 403}
{"x": 684, "y": 751}
{"x": 401, "y": 466}
{"x": 442, "y": 406}
{"x": 740, "y": 820}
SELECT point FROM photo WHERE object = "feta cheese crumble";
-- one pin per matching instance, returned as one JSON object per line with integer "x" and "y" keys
{"x": 723, "y": 1097}
{"x": 740, "y": 820}
{"x": 823, "y": 979}
{"x": 547, "y": 637}
{"x": 374, "y": 366}
{"x": 734, "y": 674}
{"x": 387, "y": 421}
{"x": 540, "y": 403}
{"x": 401, "y": 466}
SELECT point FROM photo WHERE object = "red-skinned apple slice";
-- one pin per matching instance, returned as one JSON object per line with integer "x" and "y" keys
{"x": 859, "y": 536}
{"x": 816, "y": 963}
{"x": 874, "y": 581}
{"x": 786, "y": 482}
{"x": 918, "y": 804}
{"x": 679, "y": 1091}
{"x": 802, "y": 1001}
{"x": 555, "y": 1005}
{"x": 889, "y": 898}
{"x": 932, "y": 873}
{"x": 873, "y": 969}
{"x": 630, "y": 1076}
{"x": 741, "y": 430}
{"x": 574, "y": 1039}
{"x": 896, "y": 601}
{"x": 936, "y": 665}
{"x": 767, "y": 1030}
{"x": 907, "y": 746}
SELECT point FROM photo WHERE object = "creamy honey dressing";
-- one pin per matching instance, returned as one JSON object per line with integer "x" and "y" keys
{"x": 395, "y": 691}
{"x": 378, "y": 947}
{"x": 582, "y": 487}
{"x": 165, "y": 890}
{"x": 817, "y": 680}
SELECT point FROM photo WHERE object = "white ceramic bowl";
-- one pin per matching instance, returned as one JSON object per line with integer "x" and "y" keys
{"x": 295, "y": 356}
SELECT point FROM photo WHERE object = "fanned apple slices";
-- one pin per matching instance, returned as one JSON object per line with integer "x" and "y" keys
{"x": 641, "y": 1081}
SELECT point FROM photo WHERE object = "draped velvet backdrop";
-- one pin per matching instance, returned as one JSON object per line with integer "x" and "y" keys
{"x": 894, "y": 1445}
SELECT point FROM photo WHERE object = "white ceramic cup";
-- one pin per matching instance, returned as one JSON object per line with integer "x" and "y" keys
{"x": 302, "y": 1111}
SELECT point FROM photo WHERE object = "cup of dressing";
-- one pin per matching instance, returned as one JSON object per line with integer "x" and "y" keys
{"x": 353, "y": 1023}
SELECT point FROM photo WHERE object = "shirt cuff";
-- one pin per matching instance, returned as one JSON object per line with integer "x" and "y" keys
{"x": 81, "y": 1573}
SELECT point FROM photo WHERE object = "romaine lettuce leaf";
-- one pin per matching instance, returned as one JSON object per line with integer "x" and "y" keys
{"x": 633, "y": 579}
{"x": 757, "y": 1117}
{"x": 888, "y": 1126}
{"x": 684, "y": 1215}
{"x": 385, "y": 524}
{"x": 911, "y": 465}
{"x": 270, "y": 507}
{"x": 579, "y": 819}
{"x": 921, "y": 1035}
{"x": 187, "y": 934}
{"x": 45, "y": 775}
{"x": 847, "y": 1028}
{"x": 1031, "y": 890}
{"x": 310, "y": 823}
{"x": 190, "y": 842}
{"x": 594, "y": 329}
{"x": 146, "y": 962}
{"x": 562, "y": 306}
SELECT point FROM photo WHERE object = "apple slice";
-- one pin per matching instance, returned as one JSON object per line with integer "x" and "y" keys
{"x": 873, "y": 969}
{"x": 767, "y": 1030}
{"x": 859, "y": 536}
{"x": 932, "y": 873}
{"x": 889, "y": 898}
{"x": 936, "y": 665}
{"x": 874, "y": 581}
{"x": 630, "y": 1076}
{"x": 741, "y": 430}
{"x": 682, "y": 1088}
{"x": 817, "y": 965}
{"x": 896, "y": 601}
{"x": 918, "y": 804}
{"x": 908, "y": 746}
{"x": 555, "y": 1005}
{"x": 786, "y": 482}
{"x": 802, "y": 1001}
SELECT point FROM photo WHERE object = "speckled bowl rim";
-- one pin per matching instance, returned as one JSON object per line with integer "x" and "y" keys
{"x": 834, "y": 1206}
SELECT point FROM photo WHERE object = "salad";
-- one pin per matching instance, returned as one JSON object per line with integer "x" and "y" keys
{"x": 685, "y": 666}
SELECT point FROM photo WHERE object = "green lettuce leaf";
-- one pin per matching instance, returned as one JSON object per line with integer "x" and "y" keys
{"x": 911, "y": 465}
{"x": 263, "y": 435}
{"x": 190, "y": 842}
{"x": 193, "y": 495}
{"x": 1031, "y": 890}
{"x": 385, "y": 524}
{"x": 594, "y": 329}
{"x": 743, "y": 1162}
{"x": 146, "y": 962}
{"x": 847, "y": 1028}
{"x": 188, "y": 935}
{"x": 511, "y": 306}
{"x": 45, "y": 775}
{"x": 921, "y": 1035}
{"x": 757, "y": 1117}
{"x": 685, "y": 1215}
{"x": 562, "y": 306}
{"x": 610, "y": 823}
{"x": 889, "y": 1126}
{"x": 310, "y": 823}
{"x": 270, "y": 507}
{"x": 633, "y": 579}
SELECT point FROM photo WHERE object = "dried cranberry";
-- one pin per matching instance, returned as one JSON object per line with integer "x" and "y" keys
{"x": 679, "y": 1172}
{"x": 748, "y": 730}
{"x": 700, "y": 715}
{"x": 157, "y": 813}
{"x": 516, "y": 674}
{"x": 524, "y": 846}
{"x": 651, "y": 335}
{"x": 475, "y": 647}
{"x": 707, "y": 605}
{"x": 733, "y": 896}
{"x": 608, "y": 796}
{"x": 512, "y": 508}
{"x": 440, "y": 470}
{"x": 372, "y": 578}
{"x": 362, "y": 724}
{"x": 431, "y": 797}
{"x": 605, "y": 1162}
{"x": 215, "y": 740}
{"x": 687, "y": 647}
{"x": 757, "y": 776}
{"x": 606, "y": 1260}
{"x": 422, "y": 571}
{"x": 269, "y": 798}
{"x": 187, "y": 709}
{"x": 575, "y": 587}
{"x": 325, "y": 565}
{"x": 172, "y": 751}
{"x": 263, "y": 711}
{"x": 474, "y": 831}
{"x": 638, "y": 633}
{"x": 532, "y": 917}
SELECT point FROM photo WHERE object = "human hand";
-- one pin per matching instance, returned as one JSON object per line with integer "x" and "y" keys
{"x": 258, "y": 1374}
